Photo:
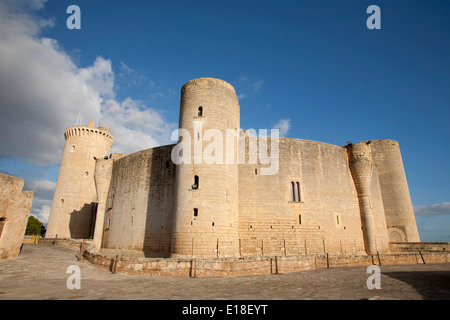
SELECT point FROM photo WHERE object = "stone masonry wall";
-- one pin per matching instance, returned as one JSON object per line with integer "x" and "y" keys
{"x": 15, "y": 206}
{"x": 325, "y": 219}
{"x": 140, "y": 202}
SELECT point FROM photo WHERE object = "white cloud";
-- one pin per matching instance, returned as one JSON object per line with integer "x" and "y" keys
{"x": 257, "y": 85}
{"x": 136, "y": 127}
{"x": 42, "y": 213}
{"x": 42, "y": 92}
{"x": 431, "y": 210}
{"x": 283, "y": 125}
{"x": 41, "y": 188}
{"x": 249, "y": 86}
{"x": 99, "y": 77}
{"x": 27, "y": 4}
{"x": 131, "y": 78}
{"x": 42, "y": 198}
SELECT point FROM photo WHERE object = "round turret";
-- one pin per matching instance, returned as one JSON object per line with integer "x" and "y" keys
{"x": 399, "y": 210}
{"x": 75, "y": 198}
{"x": 206, "y": 215}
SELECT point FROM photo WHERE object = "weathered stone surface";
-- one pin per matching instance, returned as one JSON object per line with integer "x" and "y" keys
{"x": 15, "y": 205}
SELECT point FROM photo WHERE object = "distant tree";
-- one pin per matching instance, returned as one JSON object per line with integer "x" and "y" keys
{"x": 34, "y": 226}
{"x": 43, "y": 230}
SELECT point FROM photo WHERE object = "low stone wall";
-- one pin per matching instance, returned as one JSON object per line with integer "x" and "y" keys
{"x": 253, "y": 266}
{"x": 65, "y": 242}
{"x": 126, "y": 262}
{"x": 419, "y": 246}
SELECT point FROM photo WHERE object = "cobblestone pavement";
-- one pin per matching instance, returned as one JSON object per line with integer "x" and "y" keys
{"x": 40, "y": 272}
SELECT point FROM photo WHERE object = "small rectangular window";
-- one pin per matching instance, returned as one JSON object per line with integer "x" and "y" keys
{"x": 292, "y": 192}
{"x": 298, "y": 192}
{"x": 295, "y": 191}
{"x": 2, "y": 225}
{"x": 196, "y": 183}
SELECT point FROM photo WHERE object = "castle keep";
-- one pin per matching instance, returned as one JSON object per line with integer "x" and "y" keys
{"x": 322, "y": 197}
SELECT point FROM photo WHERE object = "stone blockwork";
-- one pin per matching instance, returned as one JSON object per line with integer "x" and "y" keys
{"x": 221, "y": 267}
{"x": 140, "y": 202}
{"x": 326, "y": 216}
{"x": 15, "y": 206}
{"x": 419, "y": 246}
{"x": 398, "y": 208}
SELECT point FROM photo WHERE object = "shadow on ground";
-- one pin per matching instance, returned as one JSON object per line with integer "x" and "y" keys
{"x": 431, "y": 285}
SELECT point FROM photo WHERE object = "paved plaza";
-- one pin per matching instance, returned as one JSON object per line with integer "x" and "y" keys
{"x": 40, "y": 272}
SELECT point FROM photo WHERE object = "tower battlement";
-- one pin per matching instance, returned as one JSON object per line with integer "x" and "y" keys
{"x": 81, "y": 131}
{"x": 211, "y": 82}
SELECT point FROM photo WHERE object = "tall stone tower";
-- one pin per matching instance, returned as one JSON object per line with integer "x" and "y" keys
{"x": 75, "y": 199}
{"x": 205, "y": 218}
{"x": 401, "y": 223}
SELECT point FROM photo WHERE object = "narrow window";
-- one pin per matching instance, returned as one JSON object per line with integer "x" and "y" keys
{"x": 110, "y": 202}
{"x": 200, "y": 111}
{"x": 213, "y": 224}
{"x": 292, "y": 191}
{"x": 2, "y": 225}
{"x": 299, "y": 219}
{"x": 195, "y": 185}
{"x": 195, "y": 212}
{"x": 295, "y": 192}
{"x": 256, "y": 172}
{"x": 337, "y": 219}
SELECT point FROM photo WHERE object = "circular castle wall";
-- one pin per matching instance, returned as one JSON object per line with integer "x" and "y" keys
{"x": 309, "y": 206}
{"x": 140, "y": 203}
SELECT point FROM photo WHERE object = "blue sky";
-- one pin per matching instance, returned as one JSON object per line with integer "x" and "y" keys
{"x": 313, "y": 64}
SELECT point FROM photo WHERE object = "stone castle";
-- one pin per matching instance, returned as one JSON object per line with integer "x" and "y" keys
{"x": 323, "y": 198}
